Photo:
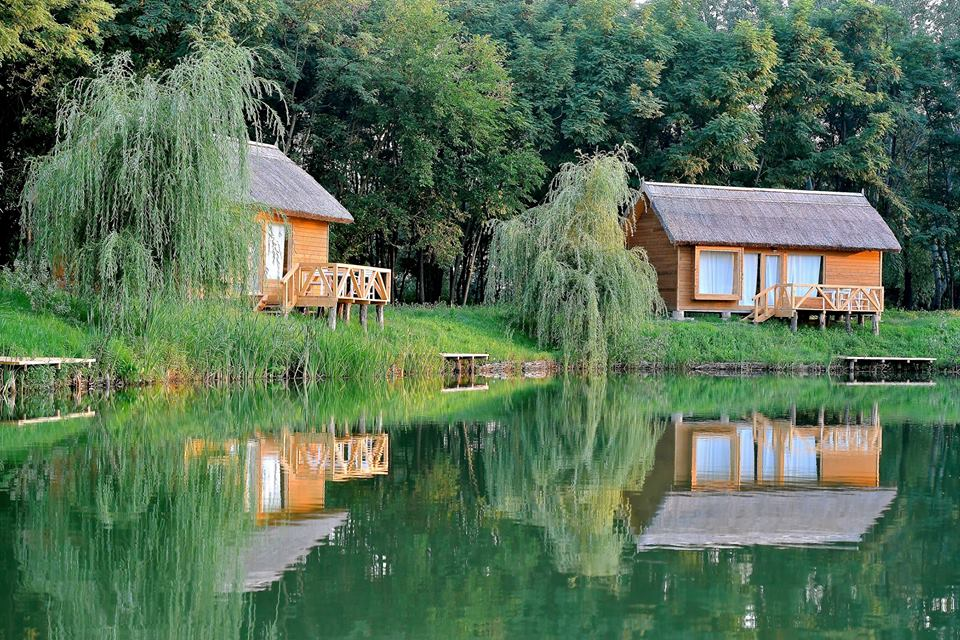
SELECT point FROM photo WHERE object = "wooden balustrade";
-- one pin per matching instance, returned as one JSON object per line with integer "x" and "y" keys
{"x": 327, "y": 284}
{"x": 785, "y": 300}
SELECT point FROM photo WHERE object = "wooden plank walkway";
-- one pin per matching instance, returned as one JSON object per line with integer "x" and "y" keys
{"x": 886, "y": 359}
{"x": 16, "y": 361}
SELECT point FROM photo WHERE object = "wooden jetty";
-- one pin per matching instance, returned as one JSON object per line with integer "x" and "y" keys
{"x": 905, "y": 366}
{"x": 464, "y": 362}
{"x": 10, "y": 365}
{"x": 25, "y": 362}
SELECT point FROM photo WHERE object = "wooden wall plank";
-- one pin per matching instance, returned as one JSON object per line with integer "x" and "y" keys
{"x": 645, "y": 231}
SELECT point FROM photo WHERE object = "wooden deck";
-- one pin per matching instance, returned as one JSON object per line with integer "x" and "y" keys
{"x": 329, "y": 285}
{"x": 820, "y": 300}
{"x": 24, "y": 362}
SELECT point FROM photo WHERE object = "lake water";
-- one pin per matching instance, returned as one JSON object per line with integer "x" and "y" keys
{"x": 623, "y": 507}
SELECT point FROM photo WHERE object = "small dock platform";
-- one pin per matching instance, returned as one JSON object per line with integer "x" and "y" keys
{"x": 464, "y": 362}
{"x": 25, "y": 362}
{"x": 904, "y": 366}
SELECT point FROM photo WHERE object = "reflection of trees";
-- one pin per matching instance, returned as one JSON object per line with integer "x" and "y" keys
{"x": 562, "y": 462}
{"x": 123, "y": 534}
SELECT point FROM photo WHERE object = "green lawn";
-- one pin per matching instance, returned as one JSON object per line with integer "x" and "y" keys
{"x": 207, "y": 340}
{"x": 708, "y": 340}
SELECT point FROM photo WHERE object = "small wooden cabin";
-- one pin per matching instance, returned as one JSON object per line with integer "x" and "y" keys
{"x": 295, "y": 271}
{"x": 763, "y": 252}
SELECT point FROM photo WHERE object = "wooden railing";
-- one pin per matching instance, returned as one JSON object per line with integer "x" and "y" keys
{"x": 325, "y": 284}
{"x": 783, "y": 300}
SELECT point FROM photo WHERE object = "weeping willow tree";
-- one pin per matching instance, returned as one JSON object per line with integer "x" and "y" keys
{"x": 141, "y": 197}
{"x": 563, "y": 268}
{"x": 564, "y": 463}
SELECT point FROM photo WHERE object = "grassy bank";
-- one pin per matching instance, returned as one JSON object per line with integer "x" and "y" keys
{"x": 205, "y": 341}
{"x": 709, "y": 340}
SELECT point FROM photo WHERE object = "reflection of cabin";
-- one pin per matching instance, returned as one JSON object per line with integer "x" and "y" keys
{"x": 285, "y": 486}
{"x": 762, "y": 482}
{"x": 295, "y": 271}
{"x": 763, "y": 252}
{"x": 286, "y": 476}
{"x": 764, "y": 451}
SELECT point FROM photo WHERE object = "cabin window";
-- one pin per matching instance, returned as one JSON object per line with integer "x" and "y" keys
{"x": 751, "y": 278}
{"x": 805, "y": 269}
{"x": 718, "y": 273}
{"x": 274, "y": 254}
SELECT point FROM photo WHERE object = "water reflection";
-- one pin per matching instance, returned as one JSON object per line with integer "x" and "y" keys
{"x": 763, "y": 481}
{"x": 284, "y": 481}
{"x": 554, "y": 508}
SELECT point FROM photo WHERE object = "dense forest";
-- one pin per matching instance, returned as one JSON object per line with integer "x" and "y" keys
{"x": 429, "y": 119}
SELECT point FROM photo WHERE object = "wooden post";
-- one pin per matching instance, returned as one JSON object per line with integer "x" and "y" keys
{"x": 794, "y": 319}
{"x": 332, "y": 317}
{"x": 346, "y": 312}
{"x": 876, "y": 324}
{"x": 363, "y": 316}
{"x": 823, "y": 321}
{"x": 380, "y": 315}
{"x": 860, "y": 319}
{"x": 847, "y": 321}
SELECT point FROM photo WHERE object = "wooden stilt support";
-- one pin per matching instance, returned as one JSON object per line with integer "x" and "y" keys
{"x": 380, "y": 315}
{"x": 823, "y": 321}
{"x": 847, "y": 322}
{"x": 363, "y": 316}
{"x": 332, "y": 317}
{"x": 860, "y": 319}
{"x": 346, "y": 313}
{"x": 794, "y": 319}
{"x": 876, "y": 324}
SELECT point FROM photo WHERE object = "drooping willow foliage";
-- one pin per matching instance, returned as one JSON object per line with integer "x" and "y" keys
{"x": 563, "y": 461}
{"x": 563, "y": 268}
{"x": 142, "y": 196}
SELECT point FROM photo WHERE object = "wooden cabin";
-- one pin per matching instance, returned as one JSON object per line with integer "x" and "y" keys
{"x": 763, "y": 253}
{"x": 295, "y": 271}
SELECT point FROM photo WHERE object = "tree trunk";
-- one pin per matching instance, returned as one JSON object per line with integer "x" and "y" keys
{"x": 938, "y": 279}
{"x": 421, "y": 292}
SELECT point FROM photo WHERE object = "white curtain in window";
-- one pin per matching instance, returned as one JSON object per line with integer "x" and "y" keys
{"x": 751, "y": 265}
{"x": 800, "y": 458}
{"x": 804, "y": 270}
{"x": 771, "y": 275}
{"x": 717, "y": 272}
{"x": 745, "y": 436}
{"x": 713, "y": 458}
{"x": 273, "y": 251}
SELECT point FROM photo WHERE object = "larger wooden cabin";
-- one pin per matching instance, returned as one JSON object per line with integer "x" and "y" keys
{"x": 763, "y": 252}
{"x": 295, "y": 271}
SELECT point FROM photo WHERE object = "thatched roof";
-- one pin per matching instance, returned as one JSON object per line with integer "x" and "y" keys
{"x": 279, "y": 183}
{"x": 737, "y": 216}
{"x": 271, "y": 551}
{"x": 779, "y": 518}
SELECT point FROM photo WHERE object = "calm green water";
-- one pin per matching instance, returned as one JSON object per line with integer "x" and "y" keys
{"x": 619, "y": 508}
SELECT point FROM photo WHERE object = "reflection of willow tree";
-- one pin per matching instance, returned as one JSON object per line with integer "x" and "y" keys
{"x": 563, "y": 461}
{"x": 127, "y": 533}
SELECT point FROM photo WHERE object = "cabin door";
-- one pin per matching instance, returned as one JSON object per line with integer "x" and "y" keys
{"x": 771, "y": 275}
{"x": 274, "y": 252}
